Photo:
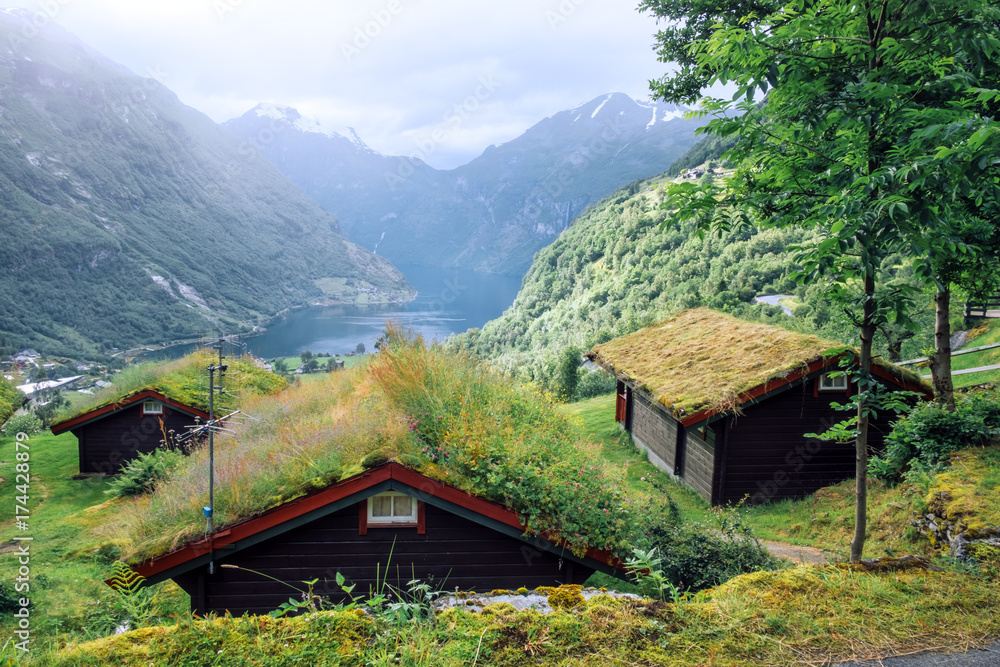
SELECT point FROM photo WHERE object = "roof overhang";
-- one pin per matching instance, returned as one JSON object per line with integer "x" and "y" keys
{"x": 388, "y": 477}
{"x": 778, "y": 385}
{"x": 111, "y": 408}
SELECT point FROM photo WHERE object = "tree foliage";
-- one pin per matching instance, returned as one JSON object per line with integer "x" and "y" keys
{"x": 863, "y": 120}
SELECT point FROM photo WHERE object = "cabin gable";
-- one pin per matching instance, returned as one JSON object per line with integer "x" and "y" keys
{"x": 108, "y": 439}
{"x": 457, "y": 540}
{"x": 452, "y": 552}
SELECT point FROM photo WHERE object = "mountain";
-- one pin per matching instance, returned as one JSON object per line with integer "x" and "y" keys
{"x": 491, "y": 214}
{"x": 619, "y": 267}
{"x": 625, "y": 263}
{"x": 129, "y": 218}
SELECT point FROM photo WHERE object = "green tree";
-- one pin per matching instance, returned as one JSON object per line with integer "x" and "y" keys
{"x": 871, "y": 129}
{"x": 568, "y": 372}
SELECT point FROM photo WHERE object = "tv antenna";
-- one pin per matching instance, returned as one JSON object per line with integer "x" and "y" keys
{"x": 211, "y": 427}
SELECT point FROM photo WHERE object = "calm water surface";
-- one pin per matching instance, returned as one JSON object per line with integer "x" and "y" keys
{"x": 449, "y": 301}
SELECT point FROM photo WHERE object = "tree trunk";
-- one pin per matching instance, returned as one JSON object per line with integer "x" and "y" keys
{"x": 861, "y": 442}
{"x": 940, "y": 361}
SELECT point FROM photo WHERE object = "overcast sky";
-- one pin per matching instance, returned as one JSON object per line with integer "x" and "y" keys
{"x": 392, "y": 69}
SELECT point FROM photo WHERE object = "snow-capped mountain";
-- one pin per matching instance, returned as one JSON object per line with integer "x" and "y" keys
{"x": 491, "y": 214}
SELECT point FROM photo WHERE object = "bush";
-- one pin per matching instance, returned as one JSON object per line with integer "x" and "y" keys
{"x": 144, "y": 473}
{"x": 595, "y": 383}
{"x": 926, "y": 437}
{"x": 25, "y": 422}
{"x": 694, "y": 555}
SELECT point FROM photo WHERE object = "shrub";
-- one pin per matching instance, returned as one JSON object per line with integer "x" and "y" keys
{"x": 596, "y": 383}
{"x": 25, "y": 422}
{"x": 144, "y": 473}
{"x": 697, "y": 555}
{"x": 926, "y": 437}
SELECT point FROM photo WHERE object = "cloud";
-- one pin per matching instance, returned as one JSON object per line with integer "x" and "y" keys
{"x": 392, "y": 69}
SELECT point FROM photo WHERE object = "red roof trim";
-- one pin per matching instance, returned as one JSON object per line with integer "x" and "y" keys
{"x": 771, "y": 385}
{"x": 124, "y": 403}
{"x": 300, "y": 506}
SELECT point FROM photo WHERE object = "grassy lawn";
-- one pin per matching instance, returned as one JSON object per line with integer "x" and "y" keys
{"x": 68, "y": 565}
{"x": 984, "y": 334}
{"x": 597, "y": 422}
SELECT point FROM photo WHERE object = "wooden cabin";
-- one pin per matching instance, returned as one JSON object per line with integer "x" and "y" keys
{"x": 112, "y": 435}
{"x": 724, "y": 405}
{"x": 390, "y": 518}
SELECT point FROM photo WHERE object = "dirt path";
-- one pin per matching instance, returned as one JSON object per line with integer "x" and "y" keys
{"x": 796, "y": 554}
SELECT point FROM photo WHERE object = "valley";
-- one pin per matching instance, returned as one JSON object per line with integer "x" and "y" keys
{"x": 679, "y": 367}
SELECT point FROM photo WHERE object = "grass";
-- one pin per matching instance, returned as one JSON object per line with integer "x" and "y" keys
{"x": 794, "y": 617}
{"x": 67, "y": 566}
{"x": 184, "y": 380}
{"x": 597, "y": 422}
{"x": 983, "y": 334}
{"x": 457, "y": 421}
{"x": 701, "y": 359}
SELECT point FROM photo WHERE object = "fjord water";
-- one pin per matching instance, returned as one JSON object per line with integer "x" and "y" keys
{"x": 448, "y": 301}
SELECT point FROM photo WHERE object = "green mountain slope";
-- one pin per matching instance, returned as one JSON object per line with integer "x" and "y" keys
{"x": 617, "y": 268}
{"x": 127, "y": 217}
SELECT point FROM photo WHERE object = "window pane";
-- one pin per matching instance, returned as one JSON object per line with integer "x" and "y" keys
{"x": 403, "y": 507}
{"x": 381, "y": 506}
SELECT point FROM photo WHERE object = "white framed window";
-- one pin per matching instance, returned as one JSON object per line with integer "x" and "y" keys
{"x": 833, "y": 382}
{"x": 152, "y": 408}
{"x": 392, "y": 508}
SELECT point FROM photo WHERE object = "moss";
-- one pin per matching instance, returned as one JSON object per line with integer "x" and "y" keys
{"x": 374, "y": 460}
{"x": 566, "y": 597}
{"x": 701, "y": 359}
{"x": 965, "y": 493}
{"x": 185, "y": 380}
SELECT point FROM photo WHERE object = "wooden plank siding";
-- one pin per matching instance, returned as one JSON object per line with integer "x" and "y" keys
{"x": 768, "y": 457}
{"x": 699, "y": 468}
{"x": 453, "y": 552}
{"x": 762, "y": 453}
{"x": 107, "y": 444}
{"x": 655, "y": 431}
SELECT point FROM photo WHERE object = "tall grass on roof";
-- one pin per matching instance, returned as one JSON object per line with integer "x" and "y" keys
{"x": 460, "y": 422}
{"x": 185, "y": 380}
{"x": 498, "y": 438}
{"x": 300, "y": 440}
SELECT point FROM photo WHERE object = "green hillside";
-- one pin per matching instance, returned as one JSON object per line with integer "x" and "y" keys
{"x": 624, "y": 264}
{"x": 618, "y": 268}
{"x": 129, "y": 218}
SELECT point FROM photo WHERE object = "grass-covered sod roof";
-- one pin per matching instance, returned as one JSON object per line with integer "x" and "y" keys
{"x": 701, "y": 359}
{"x": 184, "y": 380}
{"x": 456, "y": 421}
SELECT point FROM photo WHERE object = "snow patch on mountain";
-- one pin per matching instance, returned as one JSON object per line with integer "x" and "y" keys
{"x": 601, "y": 105}
{"x": 308, "y": 124}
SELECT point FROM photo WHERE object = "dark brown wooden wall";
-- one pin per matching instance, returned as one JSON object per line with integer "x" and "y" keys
{"x": 768, "y": 457}
{"x": 453, "y": 552}
{"x": 654, "y": 429}
{"x": 763, "y": 453}
{"x": 699, "y": 466}
{"x": 109, "y": 443}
